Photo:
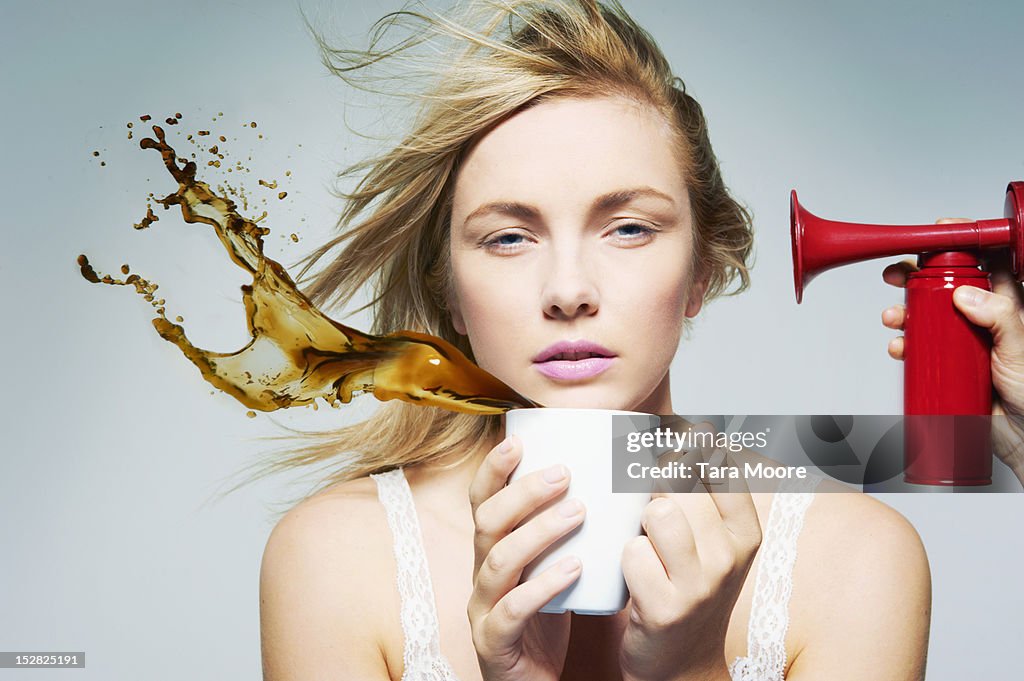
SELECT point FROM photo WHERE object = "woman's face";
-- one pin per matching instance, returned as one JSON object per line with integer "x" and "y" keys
{"x": 571, "y": 236}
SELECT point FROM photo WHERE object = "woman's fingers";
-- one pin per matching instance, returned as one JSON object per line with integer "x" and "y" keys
{"x": 498, "y": 515}
{"x": 896, "y": 348}
{"x": 664, "y": 556}
{"x": 695, "y": 542}
{"x": 1003, "y": 280}
{"x": 507, "y": 538}
{"x": 688, "y": 456}
{"x": 494, "y": 471}
{"x": 501, "y": 569}
{"x": 497, "y": 509}
{"x": 893, "y": 317}
{"x": 896, "y": 273}
{"x": 669, "y": 531}
{"x": 724, "y": 521}
{"x": 737, "y": 513}
{"x": 1001, "y": 315}
{"x": 504, "y": 625}
{"x": 510, "y": 531}
{"x": 646, "y": 580}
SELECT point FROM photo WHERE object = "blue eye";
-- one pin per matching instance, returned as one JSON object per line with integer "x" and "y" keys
{"x": 640, "y": 229}
{"x": 634, "y": 232}
{"x": 631, "y": 234}
{"x": 505, "y": 242}
{"x": 507, "y": 239}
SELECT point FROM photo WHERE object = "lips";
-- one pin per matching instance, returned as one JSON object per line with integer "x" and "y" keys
{"x": 572, "y": 350}
{"x": 574, "y": 360}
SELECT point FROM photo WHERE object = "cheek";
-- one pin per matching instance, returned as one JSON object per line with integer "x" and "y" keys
{"x": 473, "y": 289}
{"x": 656, "y": 289}
{"x": 672, "y": 297}
{"x": 492, "y": 309}
{"x": 663, "y": 313}
{"x": 652, "y": 310}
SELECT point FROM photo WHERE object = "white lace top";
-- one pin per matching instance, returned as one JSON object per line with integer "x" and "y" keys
{"x": 769, "y": 612}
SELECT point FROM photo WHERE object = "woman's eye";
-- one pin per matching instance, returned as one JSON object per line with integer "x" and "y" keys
{"x": 509, "y": 242}
{"x": 634, "y": 232}
{"x": 505, "y": 242}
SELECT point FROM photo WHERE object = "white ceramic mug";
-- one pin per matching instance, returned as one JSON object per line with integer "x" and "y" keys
{"x": 582, "y": 440}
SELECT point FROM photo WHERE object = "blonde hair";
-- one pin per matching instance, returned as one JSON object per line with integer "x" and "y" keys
{"x": 497, "y": 59}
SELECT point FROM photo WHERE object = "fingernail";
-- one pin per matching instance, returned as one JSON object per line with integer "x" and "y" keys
{"x": 971, "y": 295}
{"x": 570, "y": 564}
{"x": 661, "y": 507}
{"x": 570, "y": 508}
{"x": 505, "y": 447}
{"x": 555, "y": 474}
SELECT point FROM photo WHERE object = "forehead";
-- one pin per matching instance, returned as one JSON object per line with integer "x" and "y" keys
{"x": 565, "y": 151}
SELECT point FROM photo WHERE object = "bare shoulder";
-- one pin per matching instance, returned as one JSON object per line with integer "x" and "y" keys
{"x": 326, "y": 570}
{"x": 847, "y": 525}
{"x": 861, "y": 603}
{"x": 337, "y": 522}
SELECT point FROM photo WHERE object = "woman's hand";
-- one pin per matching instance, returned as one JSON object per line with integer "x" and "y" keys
{"x": 513, "y": 640}
{"x": 684, "y": 577}
{"x": 1001, "y": 311}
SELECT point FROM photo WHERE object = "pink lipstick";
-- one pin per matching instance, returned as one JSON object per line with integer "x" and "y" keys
{"x": 573, "y": 360}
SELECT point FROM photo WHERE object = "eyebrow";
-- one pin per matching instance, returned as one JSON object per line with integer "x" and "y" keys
{"x": 605, "y": 202}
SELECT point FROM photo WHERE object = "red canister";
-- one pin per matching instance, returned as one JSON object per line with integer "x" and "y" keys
{"x": 947, "y": 380}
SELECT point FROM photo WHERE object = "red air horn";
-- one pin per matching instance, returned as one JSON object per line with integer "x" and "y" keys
{"x": 947, "y": 370}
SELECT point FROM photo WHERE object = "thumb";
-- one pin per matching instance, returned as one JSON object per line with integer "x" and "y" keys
{"x": 996, "y": 313}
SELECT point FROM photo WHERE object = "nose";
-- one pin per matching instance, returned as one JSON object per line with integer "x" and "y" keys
{"x": 570, "y": 290}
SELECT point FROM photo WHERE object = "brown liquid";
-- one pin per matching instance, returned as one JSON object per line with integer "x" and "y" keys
{"x": 296, "y": 353}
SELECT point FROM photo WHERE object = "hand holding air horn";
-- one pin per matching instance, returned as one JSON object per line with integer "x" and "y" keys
{"x": 947, "y": 367}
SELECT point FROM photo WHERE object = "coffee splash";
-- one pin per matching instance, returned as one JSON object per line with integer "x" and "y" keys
{"x": 296, "y": 353}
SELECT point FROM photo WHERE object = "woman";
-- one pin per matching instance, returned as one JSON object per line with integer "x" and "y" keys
{"x": 559, "y": 185}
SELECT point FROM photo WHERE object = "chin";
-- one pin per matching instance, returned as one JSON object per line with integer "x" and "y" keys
{"x": 582, "y": 397}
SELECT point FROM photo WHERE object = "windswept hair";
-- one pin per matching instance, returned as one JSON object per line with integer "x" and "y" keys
{"x": 466, "y": 73}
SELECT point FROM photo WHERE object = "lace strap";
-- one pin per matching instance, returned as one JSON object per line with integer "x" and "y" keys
{"x": 419, "y": 614}
{"x": 773, "y": 585}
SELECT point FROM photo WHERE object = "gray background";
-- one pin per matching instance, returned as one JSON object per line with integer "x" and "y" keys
{"x": 874, "y": 111}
